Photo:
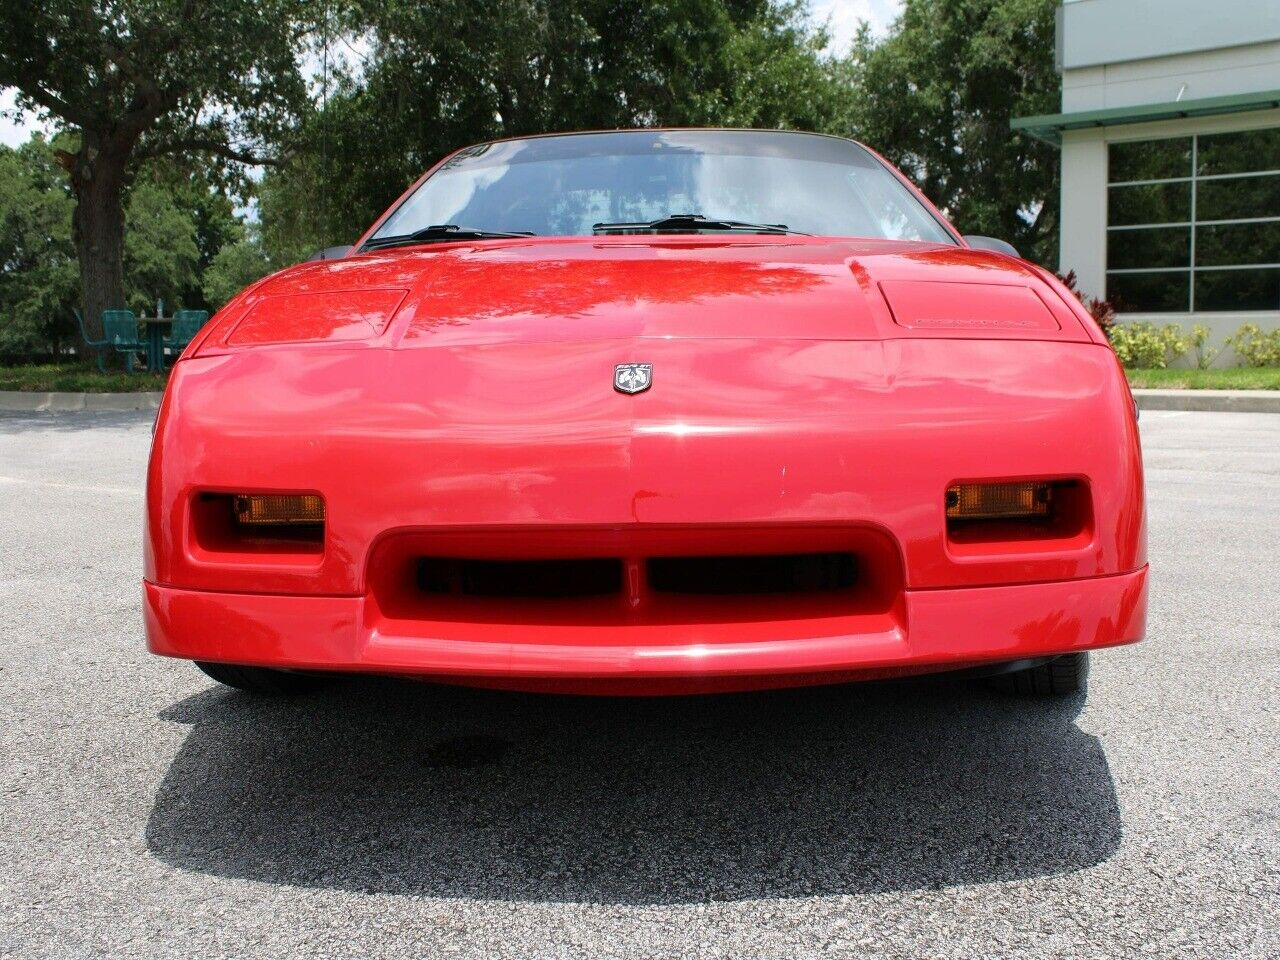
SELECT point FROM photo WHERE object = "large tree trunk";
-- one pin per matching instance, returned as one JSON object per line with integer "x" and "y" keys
{"x": 97, "y": 225}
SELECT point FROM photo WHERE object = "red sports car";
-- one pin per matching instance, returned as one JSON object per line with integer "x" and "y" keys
{"x": 650, "y": 411}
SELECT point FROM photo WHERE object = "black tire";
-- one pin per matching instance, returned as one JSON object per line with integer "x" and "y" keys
{"x": 260, "y": 680}
{"x": 1055, "y": 678}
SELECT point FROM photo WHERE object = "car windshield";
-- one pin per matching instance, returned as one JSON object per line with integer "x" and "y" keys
{"x": 572, "y": 185}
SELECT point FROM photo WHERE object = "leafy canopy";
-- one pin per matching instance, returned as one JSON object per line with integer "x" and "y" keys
{"x": 137, "y": 80}
{"x": 166, "y": 76}
{"x": 38, "y": 277}
{"x": 936, "y": 97}
{"x": 235, "y": 267}
{"x": 441, "y": 75}
{"x": 178, "y": 223}
{"x": 179, "y": 95}
{"x": 160, "y": 251}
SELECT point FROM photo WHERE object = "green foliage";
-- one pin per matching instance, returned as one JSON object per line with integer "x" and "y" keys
{"x": 772, "y": 74}
{"x": 161, "y": 254}
{"x": 1223, "y": 378}
{"x": 1143, "y": 344}
{"x": 1146, "y": 346}
{"x": 166, "y": 104}
{"x": 218, "y": 77}
{"x": 138, "y": 80}
{"x": 198, "y": 191}
{"x": 39, "y": 283}
{"x": 299, "y": 214}
{"x": 441, "y": 76}
{"x": 235, "y": 267}
{"x": 1204, "y": 355}
{"x": 1256, "y": 347}
{"x": 177, "y": 222}
{"x": 936, "y": 97}
{"x": 76, "y": 378}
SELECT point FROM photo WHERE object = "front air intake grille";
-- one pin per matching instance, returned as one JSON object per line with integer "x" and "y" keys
{"x": 519, "y": 578}
{"x": 695, "y": 583}
{"x": 745, "y": 575}
{"x": 787, "y": 573}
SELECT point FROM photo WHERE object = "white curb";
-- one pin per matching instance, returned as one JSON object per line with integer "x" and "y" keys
{"x": 30, "y": 402}
{"x": 1217, "y": 401}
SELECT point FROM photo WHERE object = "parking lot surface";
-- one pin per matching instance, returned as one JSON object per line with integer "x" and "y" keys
{"x": 148, "y": 812}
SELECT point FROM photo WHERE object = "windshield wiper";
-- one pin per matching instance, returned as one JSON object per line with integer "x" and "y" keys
{"x": 440, "y": 232}
{"x": 691, "y": 223}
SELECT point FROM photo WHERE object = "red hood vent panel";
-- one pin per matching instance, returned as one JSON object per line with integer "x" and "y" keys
{"x": 991, "y": 311}
{"x": 311, "y": 317}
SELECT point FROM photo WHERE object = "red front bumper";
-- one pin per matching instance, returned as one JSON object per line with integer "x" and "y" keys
{"x": 935, "y": 630}
{"x": 522, "y": 452}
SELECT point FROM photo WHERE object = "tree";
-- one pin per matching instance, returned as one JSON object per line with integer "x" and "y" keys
{"x": 140, "y": 79}
{"x": 235, "y": 267}
{"x": 205, "y": 198}
{"x": 176, "y": 226}
{"x": 161, "y": 258}
{"x": 771, "y": 72}
{"x": 449, "y": 73}
{"x": 936, "y": 97}
{"x": 37, "y": 259}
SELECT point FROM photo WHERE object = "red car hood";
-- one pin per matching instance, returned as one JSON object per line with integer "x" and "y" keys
{"x": 576, "y": 289}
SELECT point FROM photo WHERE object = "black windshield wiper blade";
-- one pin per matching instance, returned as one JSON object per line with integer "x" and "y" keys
{"x": 691, "y": 223}
{"x": 440, "y": 232}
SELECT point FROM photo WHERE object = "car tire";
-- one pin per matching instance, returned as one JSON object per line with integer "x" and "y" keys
{"x": 259, "y": 680}
{"x": 1054, "y": 678}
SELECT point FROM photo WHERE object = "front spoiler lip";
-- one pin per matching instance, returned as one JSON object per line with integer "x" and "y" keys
{"x": 960, "y": 626}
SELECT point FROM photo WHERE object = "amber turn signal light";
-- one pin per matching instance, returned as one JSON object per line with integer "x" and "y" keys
{"x": 999, "y": 501}
{"x": 279, "y": 510}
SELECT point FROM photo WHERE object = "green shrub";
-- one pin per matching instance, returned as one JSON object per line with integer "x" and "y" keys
{"x": 1144, "y": 345}
{"x": 1204, "y": 355}
{"x": 1256, "y": 348}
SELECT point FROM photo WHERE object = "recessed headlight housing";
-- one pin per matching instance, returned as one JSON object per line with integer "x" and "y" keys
{"x": 1024, "y": 500}
{"x": 278, "y": 510}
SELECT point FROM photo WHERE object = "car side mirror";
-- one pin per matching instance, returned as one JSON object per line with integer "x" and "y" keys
{"x": 991, "y": 243}
{"x": 330, "y": 253}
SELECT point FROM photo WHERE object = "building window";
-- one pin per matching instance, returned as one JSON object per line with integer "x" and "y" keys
{"x": 1193, "y": 223}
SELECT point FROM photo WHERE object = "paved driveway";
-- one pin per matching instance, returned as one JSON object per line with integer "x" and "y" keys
{"x": 148, "y": 812}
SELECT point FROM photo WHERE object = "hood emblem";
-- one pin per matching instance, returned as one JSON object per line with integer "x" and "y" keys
{"x": 632, "y": 377}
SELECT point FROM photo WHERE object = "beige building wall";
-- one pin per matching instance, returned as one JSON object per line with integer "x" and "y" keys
{"x": 1187, "y": 76}
{"x": 1084, "y": 152}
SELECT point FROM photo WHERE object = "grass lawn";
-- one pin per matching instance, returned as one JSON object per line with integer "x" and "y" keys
{"x": 77, "y": 378}
{"x": 1228, "y": 378}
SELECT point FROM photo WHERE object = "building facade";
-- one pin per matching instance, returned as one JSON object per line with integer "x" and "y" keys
{"x": 1170, "y": 139}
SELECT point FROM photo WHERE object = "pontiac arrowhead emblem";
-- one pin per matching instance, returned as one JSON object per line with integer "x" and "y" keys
{"x": 632, "y": 377}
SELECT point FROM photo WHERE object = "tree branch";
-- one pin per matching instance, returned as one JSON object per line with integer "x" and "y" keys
{"x": 57, "y": 106}
{"x": 206, "y": 145}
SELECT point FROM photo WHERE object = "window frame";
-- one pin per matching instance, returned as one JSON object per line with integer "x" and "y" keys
{"x": 1194, "y": 178}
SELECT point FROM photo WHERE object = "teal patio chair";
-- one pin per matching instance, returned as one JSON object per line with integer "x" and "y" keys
{"x": 186, "y": 324}
{"x": 120, "y": 332}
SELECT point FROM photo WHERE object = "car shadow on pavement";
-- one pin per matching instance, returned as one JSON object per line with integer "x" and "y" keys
{"x": 397, "y": 787}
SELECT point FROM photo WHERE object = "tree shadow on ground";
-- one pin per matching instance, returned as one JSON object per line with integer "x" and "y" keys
{"x": 397, "y": 787}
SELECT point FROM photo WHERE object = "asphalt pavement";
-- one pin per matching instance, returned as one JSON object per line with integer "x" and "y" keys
{"x": 147, "y": 812}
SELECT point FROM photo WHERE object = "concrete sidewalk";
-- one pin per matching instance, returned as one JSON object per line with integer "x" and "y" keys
{"x": 1238, "y": 401}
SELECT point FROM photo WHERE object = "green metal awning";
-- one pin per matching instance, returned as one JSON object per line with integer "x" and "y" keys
{"x": 1049, "y": 126}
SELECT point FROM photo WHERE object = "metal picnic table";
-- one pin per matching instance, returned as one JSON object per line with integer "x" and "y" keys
{"x": 156, "y": 326}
